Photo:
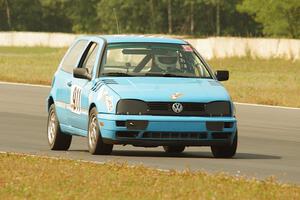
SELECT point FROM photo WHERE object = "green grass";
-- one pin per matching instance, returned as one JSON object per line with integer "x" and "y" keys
{"x": 29, "y": 65}
{"x": 273, "y": 82}
{"x": 27, "y": 177}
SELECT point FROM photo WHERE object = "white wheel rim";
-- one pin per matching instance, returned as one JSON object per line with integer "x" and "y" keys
{"x": 51, "y": 127}
{"x": 93, "y": 131}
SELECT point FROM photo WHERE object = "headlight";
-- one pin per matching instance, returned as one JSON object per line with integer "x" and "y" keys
{"x": 131, "y": 107}
{"x": 218, "y": 108}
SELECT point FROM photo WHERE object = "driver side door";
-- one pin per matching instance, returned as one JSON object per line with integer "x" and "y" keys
{"x": 80, "y": 90}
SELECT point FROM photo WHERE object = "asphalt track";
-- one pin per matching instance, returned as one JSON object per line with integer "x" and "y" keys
{"x": 269, "y": 139}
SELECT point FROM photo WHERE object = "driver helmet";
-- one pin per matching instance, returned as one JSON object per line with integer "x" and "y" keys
{"x": 165, "y": 61}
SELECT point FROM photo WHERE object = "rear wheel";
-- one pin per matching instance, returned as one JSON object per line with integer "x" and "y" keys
{"x": 225, "y": 151}
{"x": 95, "y": 143}
{"x": 56, "y": 138}
{"x": 174, "y": 149}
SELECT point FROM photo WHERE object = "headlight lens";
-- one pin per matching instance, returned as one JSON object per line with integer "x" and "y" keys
{"x": 218, "y": 108}
{"x": 131, "y": 107}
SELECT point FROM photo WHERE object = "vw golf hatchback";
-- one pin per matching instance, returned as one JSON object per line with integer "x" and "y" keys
{"x": 142, "y": 91}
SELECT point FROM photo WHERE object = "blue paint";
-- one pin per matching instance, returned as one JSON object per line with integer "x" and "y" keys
{"x": 132, "y": 38}
{"x": 100, "y": 90}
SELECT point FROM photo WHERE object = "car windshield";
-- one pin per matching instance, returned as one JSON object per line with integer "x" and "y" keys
{"x": 152, "y": 59}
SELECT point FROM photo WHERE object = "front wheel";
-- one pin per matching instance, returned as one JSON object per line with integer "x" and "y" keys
{"x": 95, "y": 143}
{"x": 56, "y": 138}
{"x": 225, "y": 151}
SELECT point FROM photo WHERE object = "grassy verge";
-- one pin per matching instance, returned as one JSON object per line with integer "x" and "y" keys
{"x": 26, "y": 177}
{"x": 29, "y": 65}
{"x": 273, "y": 82}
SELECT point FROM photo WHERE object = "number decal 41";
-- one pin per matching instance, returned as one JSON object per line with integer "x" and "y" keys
{"x": 75, "y": 99}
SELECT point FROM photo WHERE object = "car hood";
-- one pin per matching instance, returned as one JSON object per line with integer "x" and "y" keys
{"x": 163, "y": 88}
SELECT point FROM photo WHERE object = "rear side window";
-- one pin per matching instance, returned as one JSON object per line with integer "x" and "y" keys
{"x": 72, "y": 57}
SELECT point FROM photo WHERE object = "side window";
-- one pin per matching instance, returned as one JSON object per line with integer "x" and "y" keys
{"x": 72, "y": 57}
{"x": 90, "y": 57}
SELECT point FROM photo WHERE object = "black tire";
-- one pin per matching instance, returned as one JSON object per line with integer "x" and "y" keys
{"x": 57, "y": 140}
{"x": 95, "y": 143}
{"x": 174, "y": 149}
{"x": 225, "y": 151}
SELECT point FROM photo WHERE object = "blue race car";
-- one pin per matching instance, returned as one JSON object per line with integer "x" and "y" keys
{"x": 142, "y": 91}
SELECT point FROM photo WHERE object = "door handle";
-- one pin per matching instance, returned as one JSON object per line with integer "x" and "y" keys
{"x": 69, "y": 83}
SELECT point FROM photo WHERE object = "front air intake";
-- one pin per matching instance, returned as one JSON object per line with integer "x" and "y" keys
{"x": 127, "y": 134}
{"x": 175, "y": 135}
{"x": 221, "y": 135}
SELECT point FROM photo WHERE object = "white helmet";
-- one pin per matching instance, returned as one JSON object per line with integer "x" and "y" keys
{"x": 166, "y": 61}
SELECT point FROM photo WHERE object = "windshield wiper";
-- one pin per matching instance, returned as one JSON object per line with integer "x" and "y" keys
{"x": 153, "y": 74}
{"x": 175, "y": 75}
{"x": 168, "y": 75}
{"x": 115, "y": 74}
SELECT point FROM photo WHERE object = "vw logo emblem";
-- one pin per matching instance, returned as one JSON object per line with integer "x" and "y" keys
{"x": 177, "y": 107}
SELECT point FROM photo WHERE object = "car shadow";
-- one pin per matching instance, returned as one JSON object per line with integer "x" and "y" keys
{"x": 190, "y": 155}
{"x": 200, "y": 154}
{"x": 256, "y": 156}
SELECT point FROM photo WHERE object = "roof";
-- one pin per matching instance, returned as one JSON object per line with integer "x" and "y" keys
{"x": 140, "y": 38}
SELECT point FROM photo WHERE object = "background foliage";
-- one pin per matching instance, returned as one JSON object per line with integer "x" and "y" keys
{"x": 188, "y": 17}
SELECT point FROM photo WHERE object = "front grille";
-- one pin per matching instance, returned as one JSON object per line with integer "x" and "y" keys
{"x": 175, "y": 135}
{"x": 212, "y": 109}
{"x": 158, "y": 106}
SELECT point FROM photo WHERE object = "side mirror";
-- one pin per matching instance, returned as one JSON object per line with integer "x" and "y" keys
{"x": 82, "y": 73}
{"x": 222, "y": 75}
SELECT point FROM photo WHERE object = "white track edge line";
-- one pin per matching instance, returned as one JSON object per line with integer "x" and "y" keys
{"x": 238, "y": 103}
{"x": 24, "y": 84}
{"x": 77, "y": 160}
{"x": 267, "y": 106}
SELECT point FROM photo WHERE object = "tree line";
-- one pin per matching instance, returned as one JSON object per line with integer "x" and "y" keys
{"x": 251, "y": 18}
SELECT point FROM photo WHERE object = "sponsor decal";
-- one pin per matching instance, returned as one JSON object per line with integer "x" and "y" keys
{"x": 106, "y": 98}
{"x": 97, "y": 86}
{"x": 109, "y": 103}
{"x": 176, "y": 95}
{"x": 75, "y": 101}
{"x": 187, "y": 48}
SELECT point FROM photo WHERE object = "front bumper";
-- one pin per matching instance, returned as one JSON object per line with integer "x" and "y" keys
{"x": 167, "y": 130}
